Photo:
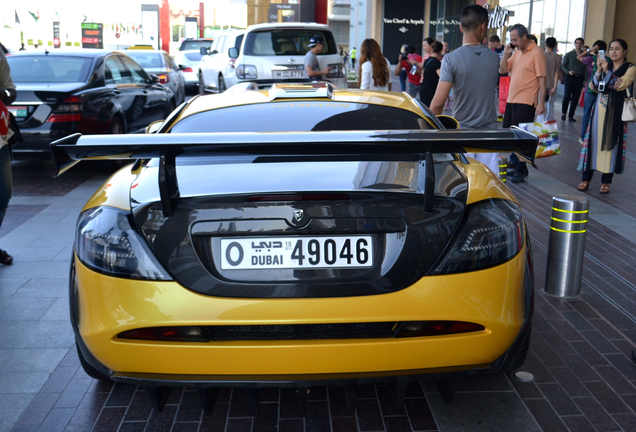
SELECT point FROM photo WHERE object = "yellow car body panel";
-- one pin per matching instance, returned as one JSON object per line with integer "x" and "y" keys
{"x": 115, "y": 191}
{"x": 493, "y": 298}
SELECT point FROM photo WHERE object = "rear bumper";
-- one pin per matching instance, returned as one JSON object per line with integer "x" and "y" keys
{"x": 37, "y": 140}
{"x": 496, "y": 298}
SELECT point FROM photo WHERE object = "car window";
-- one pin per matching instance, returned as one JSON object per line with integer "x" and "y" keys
{"x": 116, "y": 72}
{"x": 286, "y": 42}
{"x": 195, "y": 57}
{"x": 195, "y": 44}
{"x": 168, "y": 61}
{"x": 306, "y": 115}
{"x": 221, "y": 45}
{"x": 147, "y": 59}
{"x": 49, "y": 69}
{"x": 238, "y": 42}
{"x": 137, "y": 73}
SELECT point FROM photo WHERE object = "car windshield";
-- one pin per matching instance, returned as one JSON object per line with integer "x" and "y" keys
{"x": 286, "y": 42}
{"x": 195, "y": 44}
{"x": 49, "y": 69}
{"x": 306, "y": 115}
{"x": 147, "y": 59}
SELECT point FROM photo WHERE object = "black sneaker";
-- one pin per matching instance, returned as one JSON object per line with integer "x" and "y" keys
{"x": 563, "y": 117}
{"x": 572, "y": 119}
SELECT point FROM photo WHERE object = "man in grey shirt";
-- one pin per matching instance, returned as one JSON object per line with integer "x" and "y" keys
{"x": 312, "y": 65}
{"x": 472, "y": 71}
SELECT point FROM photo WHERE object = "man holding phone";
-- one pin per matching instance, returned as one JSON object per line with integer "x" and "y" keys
{"x": 526, "y": 97}
{"x": 574, "y": 72}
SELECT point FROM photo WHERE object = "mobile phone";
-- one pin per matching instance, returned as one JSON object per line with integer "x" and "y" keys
{"x": 601, "y": 54}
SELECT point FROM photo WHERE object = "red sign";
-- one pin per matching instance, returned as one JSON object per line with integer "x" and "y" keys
{"x": 90, "y": 40}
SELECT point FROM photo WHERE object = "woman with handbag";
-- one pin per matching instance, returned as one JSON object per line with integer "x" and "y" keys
{"x": 603, "y": 147}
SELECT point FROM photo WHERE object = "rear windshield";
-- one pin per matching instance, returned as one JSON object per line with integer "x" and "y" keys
{"x": 195, "y": 57}
{"x": 49, "y": 69}
{"x": 301, "y": 116}
{"x": 147, "y": 59}
{"x": 195, "y": 44}
{"x": 286, "y": 42}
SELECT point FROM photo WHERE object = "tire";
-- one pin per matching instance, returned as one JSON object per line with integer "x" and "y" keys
{"x": 116, "y": 126}
{"x": 201, "y": 84}
{"x": 222, "y": 86}
{"x": 523, "y": 354}
{"x": 90, "y": 370}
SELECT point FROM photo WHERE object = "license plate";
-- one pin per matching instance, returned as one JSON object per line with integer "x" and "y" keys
{"x": 18, "y": 111}
{"x": 296, "y": 252}
{"x": 289, "y": 74}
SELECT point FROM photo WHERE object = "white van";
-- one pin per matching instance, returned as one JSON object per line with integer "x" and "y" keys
{"x": 273, "y": 53}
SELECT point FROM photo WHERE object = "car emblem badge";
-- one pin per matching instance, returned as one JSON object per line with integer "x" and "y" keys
{"x": 291, "y": 60}
{"x": 298, "y": 215}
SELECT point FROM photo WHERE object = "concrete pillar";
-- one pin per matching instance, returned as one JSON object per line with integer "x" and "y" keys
{"x": 599, "y": 20}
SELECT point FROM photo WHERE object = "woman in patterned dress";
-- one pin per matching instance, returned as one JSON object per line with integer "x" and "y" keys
{"x": 603, "y": 148}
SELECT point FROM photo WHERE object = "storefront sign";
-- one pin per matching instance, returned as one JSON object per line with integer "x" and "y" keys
{"x": 403, "y": 24}
{"x": 92, "y": 35}
{"x": 498, "y": 17}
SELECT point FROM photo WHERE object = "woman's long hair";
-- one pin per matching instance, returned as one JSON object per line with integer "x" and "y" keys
{"x": 370, "y": 51}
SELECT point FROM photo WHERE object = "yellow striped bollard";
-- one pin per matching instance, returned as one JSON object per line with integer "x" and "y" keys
{"x": 566, "y": 245}
{"x": 503, "y": 168}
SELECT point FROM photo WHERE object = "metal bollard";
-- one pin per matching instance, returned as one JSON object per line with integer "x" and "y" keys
{"x": 566, "y": 245}
{"x": 503, "y": 169}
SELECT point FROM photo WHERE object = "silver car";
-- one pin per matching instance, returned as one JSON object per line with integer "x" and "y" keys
{"x": 188, "y": 63}
{"x": 159, "y": 63}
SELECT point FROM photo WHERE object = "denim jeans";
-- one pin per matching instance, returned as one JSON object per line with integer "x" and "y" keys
{"x": 590, "y": 100}
{"x": 6, "y": 183}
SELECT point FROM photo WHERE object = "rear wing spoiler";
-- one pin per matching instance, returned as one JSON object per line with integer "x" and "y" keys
{"x": 339, "y": 145}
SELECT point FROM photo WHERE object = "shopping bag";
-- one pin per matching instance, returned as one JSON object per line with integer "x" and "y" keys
{"x": 582, "y": 98}
{"x": 548, "y": 134}
{"x": 504, "y": 89}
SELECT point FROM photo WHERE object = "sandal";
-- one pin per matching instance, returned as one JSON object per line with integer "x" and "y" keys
{"x": 584, "y": 185}
{"x": 605, "y": 188}
{"x": 5, "y": 258}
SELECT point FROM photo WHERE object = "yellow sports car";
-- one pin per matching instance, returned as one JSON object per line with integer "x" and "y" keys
{"x": 295, "y": 236}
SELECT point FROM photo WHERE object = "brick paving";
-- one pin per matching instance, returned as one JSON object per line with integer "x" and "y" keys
{"x": 584, "y": 376}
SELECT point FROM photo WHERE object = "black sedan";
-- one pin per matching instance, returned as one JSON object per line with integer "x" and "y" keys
{"x": 88, "y": 91}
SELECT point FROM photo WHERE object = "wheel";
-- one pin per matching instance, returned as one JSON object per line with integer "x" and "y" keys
{"x": 90, "y": 370}
{"x": 222, "y": 87}
{"x": 116, "y": 126}
{"x": 201, "y": 84}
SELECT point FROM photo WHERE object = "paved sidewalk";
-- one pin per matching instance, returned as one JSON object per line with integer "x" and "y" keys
{"x": 581, "y": 350}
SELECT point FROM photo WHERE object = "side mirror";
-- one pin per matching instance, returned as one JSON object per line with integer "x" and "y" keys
{"x": 182, "y": 67}
{"x": 154, "y": 127}
{"x": 233, "y": 52}
{"x": 154, "y": 79}
{"x": 448, "y": 122}
{"x": 203, "y": 51}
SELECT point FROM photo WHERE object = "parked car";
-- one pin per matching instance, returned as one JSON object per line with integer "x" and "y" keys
{"x": 159, "y": 63}
{"x": 188, "y": 64}
{"x": 217, "y": 68}
{"x": 352, "y": 242}
{"x": 273, "y": 53}
{"x": 89, "y": 91}
{"x": 195, "y": 44}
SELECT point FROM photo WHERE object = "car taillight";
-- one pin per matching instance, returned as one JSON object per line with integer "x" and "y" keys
{"x": 69, "y": 110}
{"x": 232, "y": 63}
{"x": 335, "y": 70}
{"x": 188, "y": 69}
{"x": 107, "y": 242}
{"x": 163, "y": 78}
{"x": 245, "y": 71}
{"x": 491, "y": 233}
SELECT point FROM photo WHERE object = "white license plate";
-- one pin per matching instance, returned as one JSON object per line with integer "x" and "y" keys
{"x": 289, "y": 74}
{"x": 296, "y": 252}
{"x": 18, "y": 111}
